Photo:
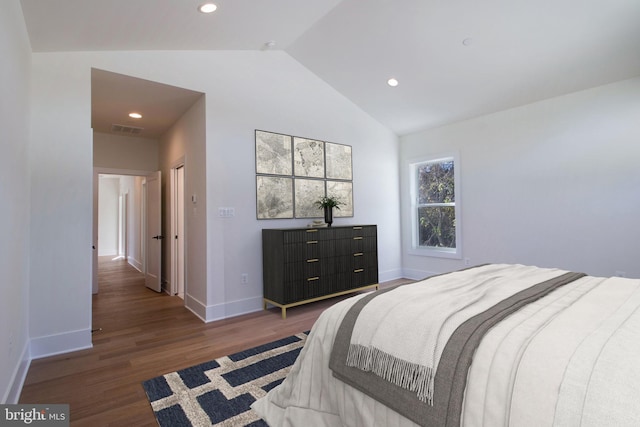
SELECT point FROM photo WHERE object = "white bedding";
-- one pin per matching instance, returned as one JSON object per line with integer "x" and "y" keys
{"x": 568, "y": 359}
{"x": 410, "y": 355}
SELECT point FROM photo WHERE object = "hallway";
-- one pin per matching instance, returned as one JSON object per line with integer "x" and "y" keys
{"x": 123, "y": 300}
{"x": 144, "y": 334}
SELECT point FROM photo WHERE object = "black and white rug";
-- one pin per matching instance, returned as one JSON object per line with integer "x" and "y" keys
{"x": 220, "y": 392}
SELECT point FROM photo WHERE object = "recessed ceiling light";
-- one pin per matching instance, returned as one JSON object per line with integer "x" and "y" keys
{"x": 207, "y": 8}
{"x": 392, "y": 82}
{"x": 467, "y": 41}
{"x": 135, "y": 115}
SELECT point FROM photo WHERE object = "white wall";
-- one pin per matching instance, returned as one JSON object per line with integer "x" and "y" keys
{"x": 124, "y": 152}
{"x": 244, "y": 91}
{"x": 60, "y": 164}
{"x": 274, "y": 93}
{"x": 108, "y": 211}
{"x": 14, "y": 196}
{"x": 555, "y": 183}
{"x": 185, "y": 142}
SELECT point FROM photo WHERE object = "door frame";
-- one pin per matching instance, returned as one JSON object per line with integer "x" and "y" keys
{"x": 123, "y": 225}
{"x": 97, "y": 171}
{"x": 175, "y": 249}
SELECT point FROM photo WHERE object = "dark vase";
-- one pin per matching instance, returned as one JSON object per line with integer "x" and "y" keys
{"x": 328, "y": 215}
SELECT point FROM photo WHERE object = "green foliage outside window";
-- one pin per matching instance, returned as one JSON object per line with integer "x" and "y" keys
{"x": 436, "y": 204}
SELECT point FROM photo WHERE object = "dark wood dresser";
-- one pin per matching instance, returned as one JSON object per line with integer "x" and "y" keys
{"x": 303, "y": 265}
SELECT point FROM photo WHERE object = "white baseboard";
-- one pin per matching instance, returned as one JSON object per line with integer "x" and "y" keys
{"x": 166, "y": 287}
{"x": 60, "y": 343}
{"x": 195, "y": 306}
{"x": 233, "y": 309}
{"x": 417, "y": 274}
{"x": 12, "y": 395}
{"x": 211, "y": 313}
{"x": 41, "y": 347}
{"x": 386, "y": 276}
{"x": 135, "y": 263}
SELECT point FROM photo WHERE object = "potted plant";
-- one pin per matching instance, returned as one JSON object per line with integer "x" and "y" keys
{"x": 327, "y": 203}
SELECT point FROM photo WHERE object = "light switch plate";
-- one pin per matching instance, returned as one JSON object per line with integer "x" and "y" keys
{"x": 226, "y": 212}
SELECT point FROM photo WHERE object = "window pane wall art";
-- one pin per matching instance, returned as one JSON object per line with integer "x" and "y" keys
{"x": 308, "y": 158}
{"x": 343, "y": 191}
{"x": 273, "y": 154}
{"x": 274, "y": 197}
{"x": 307, "y": 191}
{"x": 338, "y": 161}
{"x": 292, "y": 173}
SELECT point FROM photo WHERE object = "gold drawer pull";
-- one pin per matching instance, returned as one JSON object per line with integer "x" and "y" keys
{"x": 313, "y": 260}
{"x": 312, "y": 242}
{"x": 313, "y": 230}
{"x": 360, "y": 270}
{"x": 357, "y": 228}
{"x": 358, "y": 238}
{"x": 311, "y": 279}
{"x": 358, "y": 254}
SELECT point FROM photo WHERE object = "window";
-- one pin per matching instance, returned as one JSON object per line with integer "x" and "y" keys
{"x": 435, "y": 211}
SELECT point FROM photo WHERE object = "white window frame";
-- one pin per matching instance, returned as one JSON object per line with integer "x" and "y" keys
{"x": 415, "y": 249}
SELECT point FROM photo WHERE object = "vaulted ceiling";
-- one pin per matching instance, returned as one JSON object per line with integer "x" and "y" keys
{"x": 453, "y": 59}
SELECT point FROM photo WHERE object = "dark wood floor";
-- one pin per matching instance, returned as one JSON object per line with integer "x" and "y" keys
{"x": 143, "y": 334}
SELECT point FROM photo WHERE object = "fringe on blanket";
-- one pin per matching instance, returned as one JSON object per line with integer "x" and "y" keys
{"x": 410, "y": 376}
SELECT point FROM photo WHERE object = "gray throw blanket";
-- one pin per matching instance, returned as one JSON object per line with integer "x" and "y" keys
{"x": 449, "y": 379}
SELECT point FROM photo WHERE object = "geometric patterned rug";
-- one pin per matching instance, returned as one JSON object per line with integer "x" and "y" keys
{"x": 220, "y": 392}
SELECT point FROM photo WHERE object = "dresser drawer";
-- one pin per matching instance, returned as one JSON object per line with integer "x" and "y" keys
{"x": 311, "y": 287}
{"x": 364, "y": 260}
{"x": 302, "y": 270}
{"x": 300, "y": 252}
{"x": 363, "y": 276}
{"x": 318, "y": 286}
{"x": 305, "y": 235}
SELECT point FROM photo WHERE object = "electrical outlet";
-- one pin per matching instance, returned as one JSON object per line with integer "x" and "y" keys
{"x": 244, "y": 278}
{"x": 467, "y": 261}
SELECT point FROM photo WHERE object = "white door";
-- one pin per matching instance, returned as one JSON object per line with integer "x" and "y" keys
{"x": 153, "y": 232}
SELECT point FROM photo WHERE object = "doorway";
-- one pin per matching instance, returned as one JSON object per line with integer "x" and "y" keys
{"x": 149, "y": 144}
{"x": 128, "y": 225}
{"x": 177, "y": 261}
{"x": 119, "y": 219}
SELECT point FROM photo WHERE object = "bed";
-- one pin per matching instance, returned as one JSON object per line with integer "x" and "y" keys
{"x": 494, "y": 345}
